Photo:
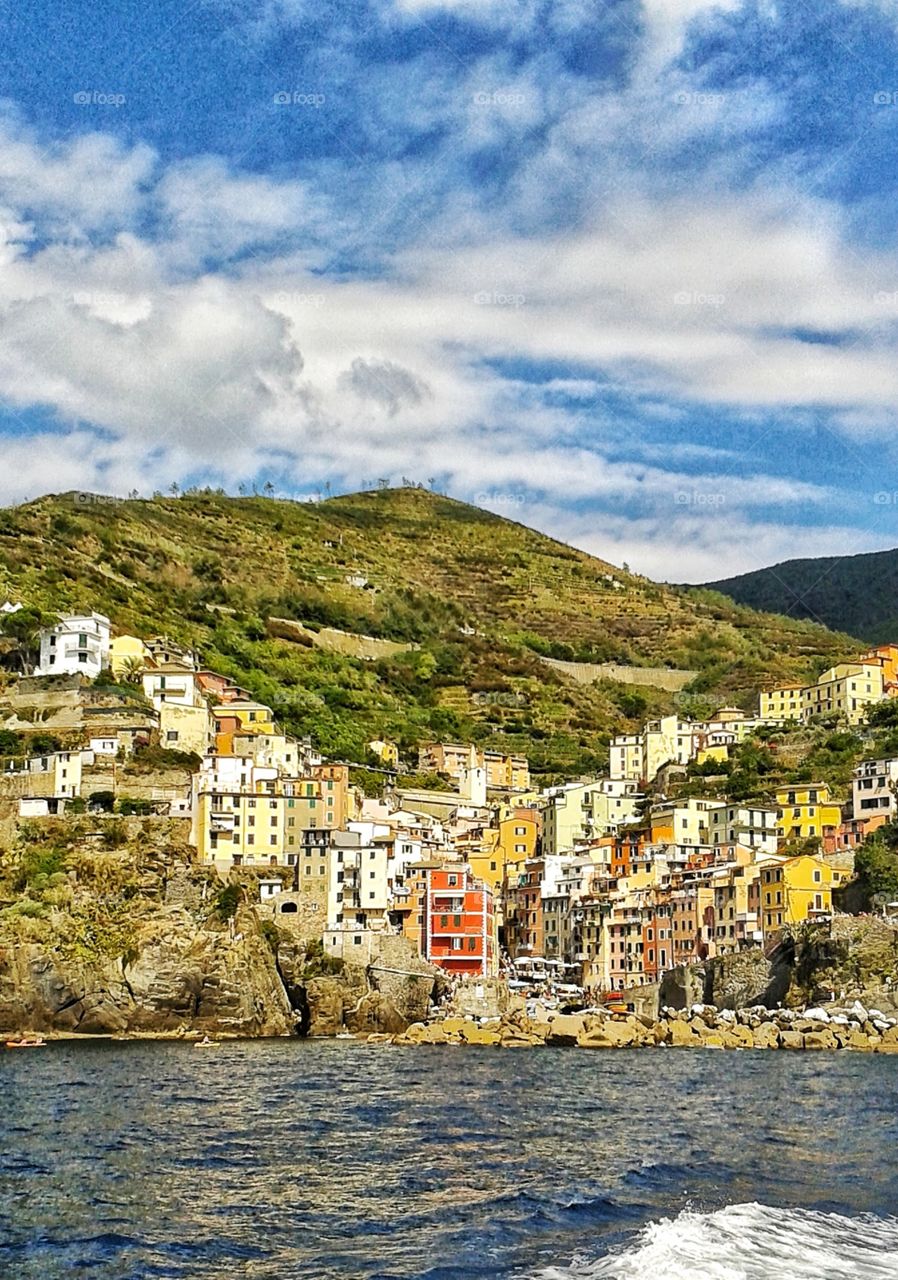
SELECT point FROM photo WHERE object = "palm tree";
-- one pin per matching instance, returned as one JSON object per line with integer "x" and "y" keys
{"x": 132, "y": 670}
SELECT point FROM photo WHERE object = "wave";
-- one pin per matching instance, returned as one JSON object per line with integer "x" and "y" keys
{"x": 750, "y": 1242}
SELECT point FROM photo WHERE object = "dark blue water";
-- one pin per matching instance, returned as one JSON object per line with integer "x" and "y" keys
{"x": 274, "y": 1160}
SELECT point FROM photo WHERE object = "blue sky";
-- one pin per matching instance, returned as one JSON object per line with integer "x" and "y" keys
{"x": 626, "y": 270}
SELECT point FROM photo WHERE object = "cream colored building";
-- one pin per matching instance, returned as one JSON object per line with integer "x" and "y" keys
{"x": 846, "y": 689}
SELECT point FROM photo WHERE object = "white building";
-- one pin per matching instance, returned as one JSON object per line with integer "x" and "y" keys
{"x": 77, "y": 644}
{"x": 753, "y": 826}
{"x": 873, "y": 789}
{"x": 357, "y": 882}
{"x": 172, "y": 683}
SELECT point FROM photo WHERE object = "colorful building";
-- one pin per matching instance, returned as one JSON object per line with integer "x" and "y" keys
{"x": 127, "y": 654}
{"x": 780, "y": 703}
{"x": 803, "y": 810}
{"x": 459, "y": 923}
{"x": 794, "y": 890}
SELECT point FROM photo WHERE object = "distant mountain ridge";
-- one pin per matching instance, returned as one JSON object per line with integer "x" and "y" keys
{"x": 857, "y": 594}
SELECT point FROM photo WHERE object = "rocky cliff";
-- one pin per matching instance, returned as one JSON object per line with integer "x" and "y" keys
{"x": 108, "y": 926}
{"x": 837, "y": 962}
{"x": 174, "y": 975}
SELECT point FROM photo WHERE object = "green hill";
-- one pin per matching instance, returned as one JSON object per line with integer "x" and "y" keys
{"x": 479, "y": 597}
{"x": 857, "y": 594}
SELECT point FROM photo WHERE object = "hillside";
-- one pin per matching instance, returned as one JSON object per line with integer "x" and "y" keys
{"x": 857, "y": 594}
{"x": 475, "y": 600}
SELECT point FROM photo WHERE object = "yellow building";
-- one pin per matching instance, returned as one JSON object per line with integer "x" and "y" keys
{"x": 513, "y": 839}
{"x": 783, "y": 703}
{"x": 506, "y": 772}
{"x": 127, "y": 654}
{"x": 794, "y": 890}
{"x": 681, "y": 822}
{"x": 239, "y": 829}
{"x": 804, "y": 810}
{"x": 386, "y": 752}
{"x": 237, "y": 719}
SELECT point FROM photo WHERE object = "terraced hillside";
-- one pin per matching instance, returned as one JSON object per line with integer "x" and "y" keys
{"x": 476, "y": 599}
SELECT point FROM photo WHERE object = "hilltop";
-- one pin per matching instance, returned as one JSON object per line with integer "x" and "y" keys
{"x": 466, "y": 605}
{"x": 852, "y": 593}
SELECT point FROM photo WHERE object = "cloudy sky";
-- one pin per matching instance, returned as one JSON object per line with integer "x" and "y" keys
{"x": 626, "y": 270}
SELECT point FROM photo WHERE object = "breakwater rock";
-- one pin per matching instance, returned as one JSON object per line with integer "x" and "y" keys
{"x": 701, "y": 1026}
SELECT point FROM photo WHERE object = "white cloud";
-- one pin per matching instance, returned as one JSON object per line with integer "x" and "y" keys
{"x": 92, "y": 183}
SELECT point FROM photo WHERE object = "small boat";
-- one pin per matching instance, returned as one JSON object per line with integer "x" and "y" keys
{"x": 345, "y": 1035}
{"x": 32, "y": 1042}
{"x": 205, "y": 1043}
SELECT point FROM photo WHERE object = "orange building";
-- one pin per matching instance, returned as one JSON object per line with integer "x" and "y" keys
{"x": 524, "y": 924}
{"x": 887, "y": 657}
{"x": 333, "y": 780}
{"x": 458, "y": 919}
{"x": 850, "y": 833}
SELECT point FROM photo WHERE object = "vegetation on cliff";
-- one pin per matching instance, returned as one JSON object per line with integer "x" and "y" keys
{"x": 471, "y": 602}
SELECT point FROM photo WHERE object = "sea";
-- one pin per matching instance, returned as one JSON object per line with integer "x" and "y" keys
{"x": 334, "y": 1160}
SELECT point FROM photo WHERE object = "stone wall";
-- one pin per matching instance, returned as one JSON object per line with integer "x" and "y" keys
{"x": 647, "y": 677}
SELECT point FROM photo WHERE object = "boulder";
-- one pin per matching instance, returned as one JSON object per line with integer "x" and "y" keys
{"x": 565, "y": 1029}
{"x": 822, "y": 1039}
{"x": 791, "y": 1040}
{"x": 817, "y": 1015}
{"x": 682, "y": 1035}
{"x": 765, "y": 1036}
{"x": 472, "y": 1034}
{"x": 742, "y": 1037}
{"x": 609, "y": 1035}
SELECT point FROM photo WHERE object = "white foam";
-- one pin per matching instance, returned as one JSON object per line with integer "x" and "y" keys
{"x": 751, "y": 1242}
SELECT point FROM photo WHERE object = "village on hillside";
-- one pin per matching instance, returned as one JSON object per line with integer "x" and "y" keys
{"x": 598, "y": 885}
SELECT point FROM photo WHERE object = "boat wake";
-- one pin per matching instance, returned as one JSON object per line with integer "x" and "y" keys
{"x": 750, "y": 1242}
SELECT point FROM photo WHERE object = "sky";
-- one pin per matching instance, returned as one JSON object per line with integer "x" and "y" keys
{"x": 623, "y": 270}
